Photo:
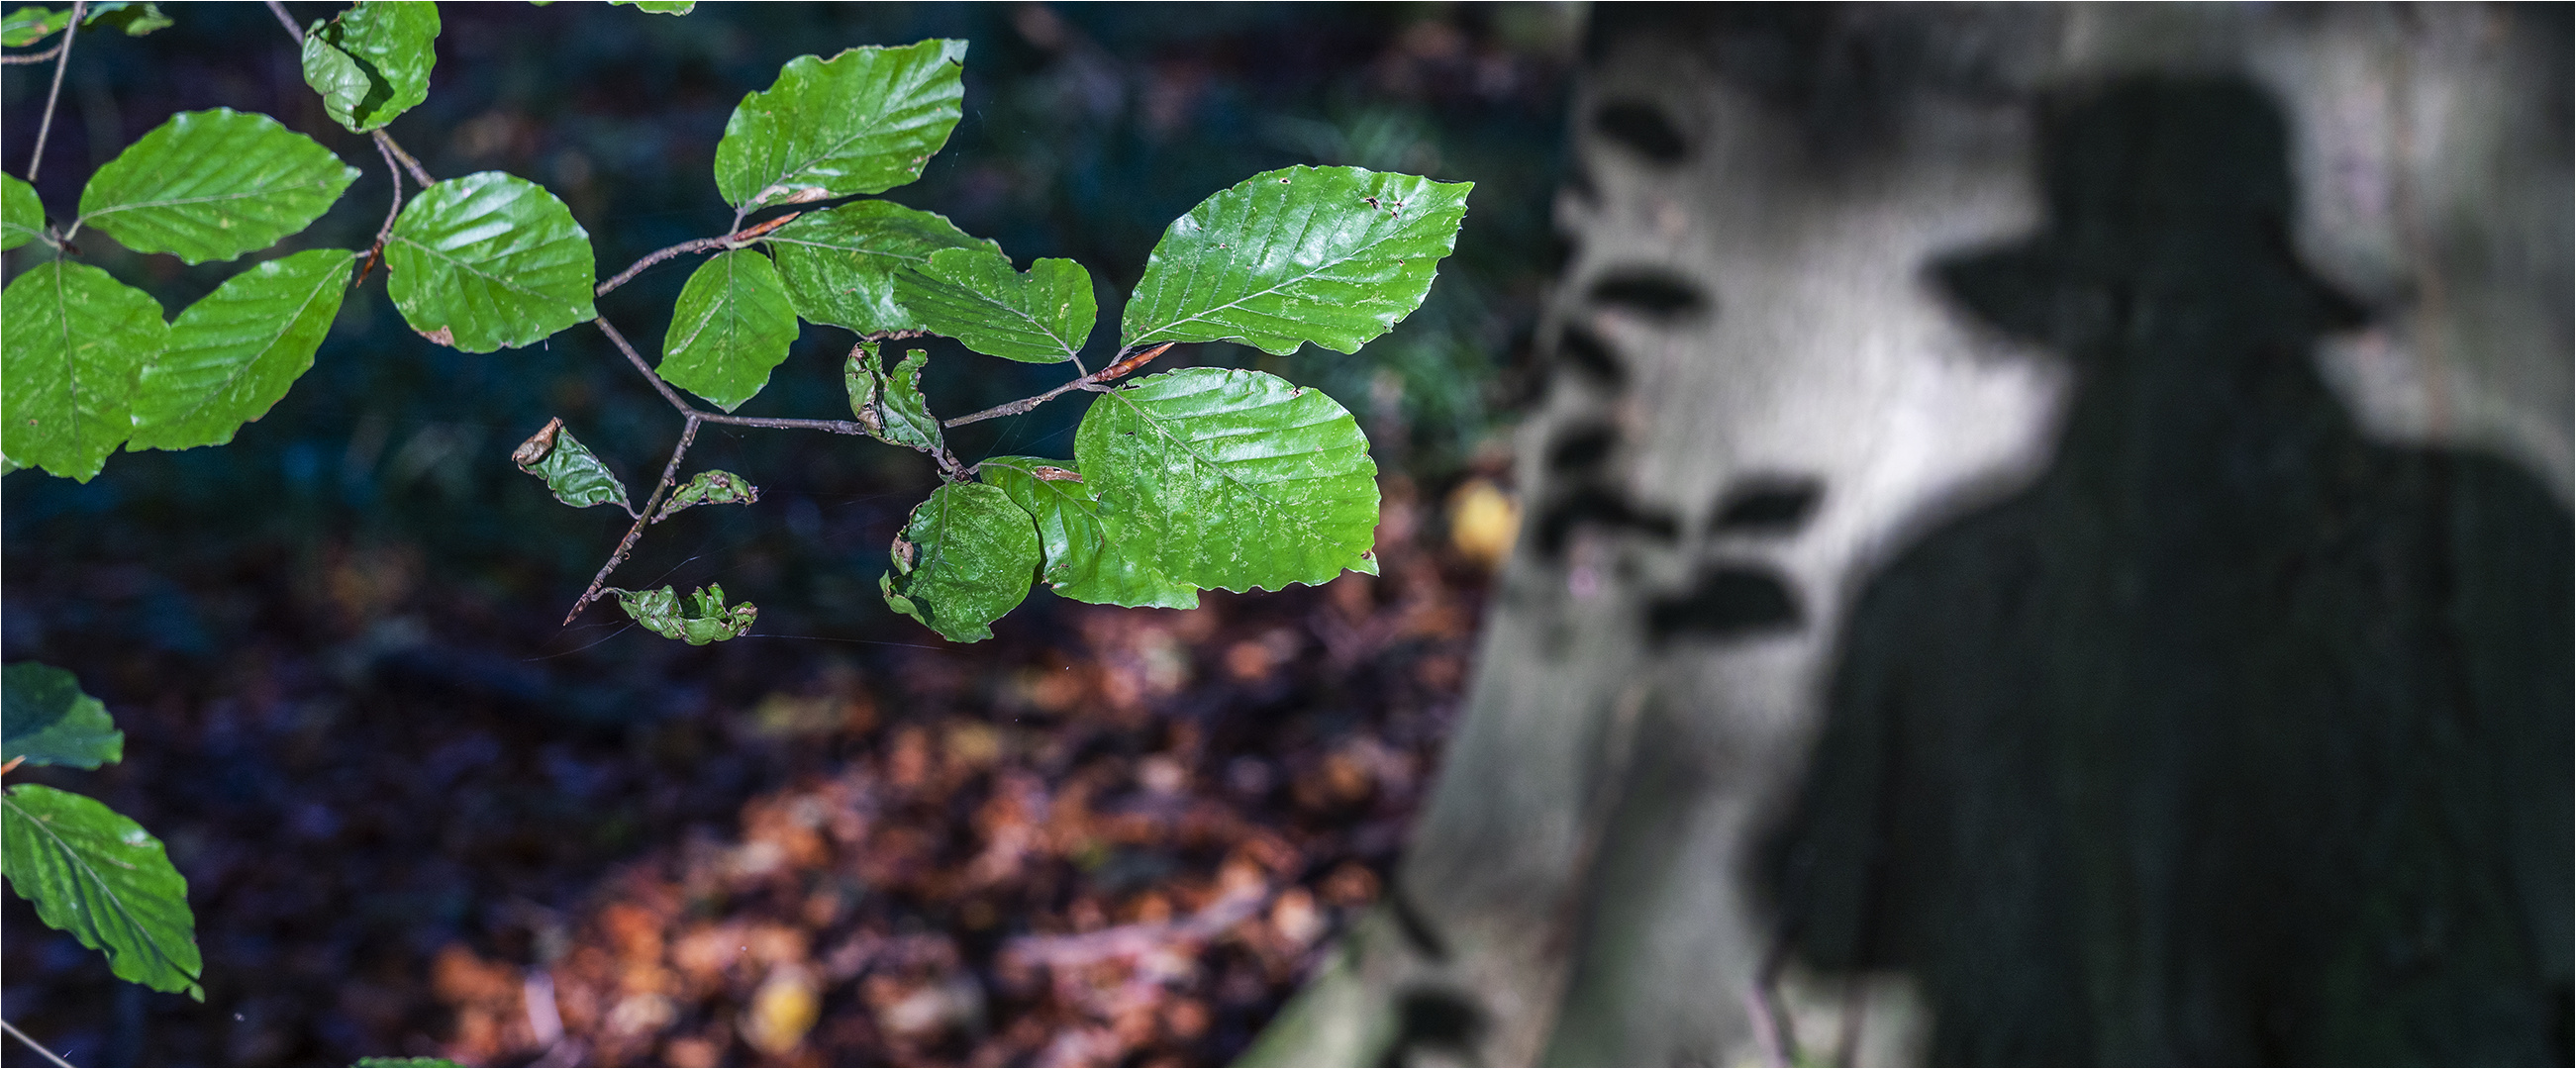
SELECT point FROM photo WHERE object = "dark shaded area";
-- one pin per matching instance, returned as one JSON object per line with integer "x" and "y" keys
{"x": 1580, "y": 448}
{"x": 1649, "y": 293}
{"x": 2237, "y": 738}
{"x": 1600, "y": 506}
{"x": 1730, "y": 602}
{"x": 1580, "y": 349}
{"x": 1768, "y": 506}
{"x": 1642, "y": 128}
{"x": 1433, "y": 1024}
{"x": 401, "y": 793}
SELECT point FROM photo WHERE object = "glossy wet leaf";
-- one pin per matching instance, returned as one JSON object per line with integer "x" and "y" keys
{"x": 1090, "y": 555}
{"x": 1330, "y": 255}
{"x": 711, "y": 487}
{"x": 660, "y": 7}
{"x": 705, "y": 618}
{"x": 1233, "y": 479}
{"x": 372, "y": 62}
{"x": 863, "y": 121}
{"x": 22, "y": 214}
{"x": 963, "y": 560}
{"x": 889, "y": 403}
{"x": 732, "y": 326}
{"x": 212, "y": 185}
{"x": 575, "y": 474}
{"x": 1041, "y": 317}
{"x": 45, "y": 718}
{"x": 99, "y": 876}
{"x": 839, "y": 263}
{"x": 77, "y": 341}
{"x": 28, "y": 25}
{"x": 489, "y": 261}
{"x": 134, "y": 17}
{"x": 234, "y": 353}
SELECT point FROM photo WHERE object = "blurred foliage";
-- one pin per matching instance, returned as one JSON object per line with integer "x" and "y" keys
{"x": 334, "y": 643}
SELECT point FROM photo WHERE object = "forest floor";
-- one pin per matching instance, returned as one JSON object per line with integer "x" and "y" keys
{"x": 1111, "y": 836}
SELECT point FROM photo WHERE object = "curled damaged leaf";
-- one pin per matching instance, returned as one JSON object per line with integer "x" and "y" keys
{"x": 570, "y": 469}
{"x": 710, "y": 487}
{"x": 889, "y": 404}
{"x": 706, "y": 619}
{"x": 442, "y": 336}
{"x": 963, "y": 559}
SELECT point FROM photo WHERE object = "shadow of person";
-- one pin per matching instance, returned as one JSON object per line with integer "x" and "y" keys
{"x": 2235, "y": 738}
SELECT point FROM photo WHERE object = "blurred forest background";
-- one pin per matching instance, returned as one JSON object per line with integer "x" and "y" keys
{"x": 418, "y": 818}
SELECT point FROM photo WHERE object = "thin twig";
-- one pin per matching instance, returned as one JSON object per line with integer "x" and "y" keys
{"x": 37, "y": 162}
{"x": 286, "y": 20}
{"x": 626, "y": 545}
{"x": 418, "y": 173}
{"x": 637, "y": 359}
{"x": 834, "y": 426}
{"x": 729, "y": 241}
{"x": 38, "y": 57}
{"x": 1114, "y": 370}
{"x": 384, "y": 233}
{"x": 57, "y": 1059}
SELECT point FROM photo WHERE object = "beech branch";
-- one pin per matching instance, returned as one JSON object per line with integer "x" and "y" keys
{"x": 734, "y": 240}
{"x": 1124, "y": 364}
{"x": 644, "y": 517}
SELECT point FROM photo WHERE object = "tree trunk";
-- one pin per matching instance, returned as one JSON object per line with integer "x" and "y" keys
{"x": 1970, "y": 321}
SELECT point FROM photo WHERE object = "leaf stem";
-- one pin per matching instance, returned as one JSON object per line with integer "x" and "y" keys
{"x": 1125, "y": 363}
{"x": 644, "y": 517}
{"x": 50, "y": 1056}
{"x": 46, "y": 126}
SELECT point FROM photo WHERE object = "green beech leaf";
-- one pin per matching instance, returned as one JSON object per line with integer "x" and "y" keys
{"x": 1042, "y": 317}
{"x": 575, "y": 474}
{"x": 212, "y": 185}
{"x": 1233, "y": 479}
{"x": 22, "y": 214}
{"x": 1330, "y": 255}
{"x": 1090, "y": 555}
{"x": 839, "y": 263}
{"x": 28, "y": 25}
{"x": 864, "y": 121}
{"x": 890, "y": 405}
{"x": 731, "y": 327}
{"x": 660, "y": 7}
{"x": 963, "y": 560}
{"x": 77, "y": 338}
{"x": 709, "y": 487}
{"x": 135, "y": 18}
{"x": 46, "y": 719}
{"x": 101, "y": 877}
{"x": 232, "y": 354}
{"x": 372, "y": 62}
{"x": 706, "y": 618}
{"x": 488, "y": 261}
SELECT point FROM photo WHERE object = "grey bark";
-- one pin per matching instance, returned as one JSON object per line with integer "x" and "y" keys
{"x": 1766, "y": 396}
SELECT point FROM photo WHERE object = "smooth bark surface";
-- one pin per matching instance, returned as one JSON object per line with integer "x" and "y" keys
{"x": 2327, "y": 465}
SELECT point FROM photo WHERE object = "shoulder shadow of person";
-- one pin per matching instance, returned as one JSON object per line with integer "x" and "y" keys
{"x": 2235, "y": 737}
